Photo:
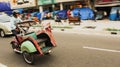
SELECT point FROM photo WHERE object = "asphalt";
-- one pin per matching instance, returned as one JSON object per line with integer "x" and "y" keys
{"x": 88, "y": 27}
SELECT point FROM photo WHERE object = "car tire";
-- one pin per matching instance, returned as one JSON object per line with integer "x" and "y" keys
{"x": 28, "y": 57}
{"x": 2, "y": 33}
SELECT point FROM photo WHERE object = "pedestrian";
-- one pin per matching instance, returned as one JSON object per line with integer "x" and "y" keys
{"x": 118, "y": 14}
{"x": 28, "y": 17}
{"x": 69, "y": 13}
{"x": 95, "y": 15}
{"x": 79, "y": 15}
{"x": 35, "y": 18}
{"x": 14, "y": 20}
{"x": 57, "y": 19}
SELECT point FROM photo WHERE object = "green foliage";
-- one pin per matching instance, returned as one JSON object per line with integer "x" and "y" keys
{"x": 67, "y": 27}
{"x": 112, "y": 29}
{"x": 57, "y": 26}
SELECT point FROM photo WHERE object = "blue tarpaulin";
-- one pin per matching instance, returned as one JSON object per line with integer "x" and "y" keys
{"x": 39, "y": 16}
{"x": 62, "y": 14}
{"x": 113, "y": 13}
{"x": 86, "y": 13}
{"x": 20, "y": 10}
{"x": 5, "y": 7}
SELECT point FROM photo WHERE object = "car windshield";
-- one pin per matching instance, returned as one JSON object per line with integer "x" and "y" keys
{"x": 4, "y": 18}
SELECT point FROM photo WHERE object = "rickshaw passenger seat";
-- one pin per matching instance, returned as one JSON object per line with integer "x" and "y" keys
{"x": 33, "y": 34}
{"x": 20, "y": 39}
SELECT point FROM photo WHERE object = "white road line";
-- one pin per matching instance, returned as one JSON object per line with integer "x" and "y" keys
{"x": 101, "y": 49}
{"x": 2, "y": 65}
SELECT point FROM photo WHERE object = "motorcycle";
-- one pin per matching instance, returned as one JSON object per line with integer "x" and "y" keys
{"x": 32, "y": 43}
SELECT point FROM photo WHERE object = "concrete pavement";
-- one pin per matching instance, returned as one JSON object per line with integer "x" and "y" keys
{"x": 90, "y": 27}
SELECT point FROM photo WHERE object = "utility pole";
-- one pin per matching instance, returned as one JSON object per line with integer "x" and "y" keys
{"x": 91, "y": 3}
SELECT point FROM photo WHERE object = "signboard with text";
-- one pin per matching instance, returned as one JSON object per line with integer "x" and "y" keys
{"x": 44, "y": 2}
{"x": 106, "y": 1}
{"x": 22, "y": 3}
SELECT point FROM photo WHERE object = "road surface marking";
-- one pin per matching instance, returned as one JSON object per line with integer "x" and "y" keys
{"x": 101, "y": 49}
{"x": 2, "y": 65}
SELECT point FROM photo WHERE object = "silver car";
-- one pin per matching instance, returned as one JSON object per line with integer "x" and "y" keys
{"x": 5, "y": 28}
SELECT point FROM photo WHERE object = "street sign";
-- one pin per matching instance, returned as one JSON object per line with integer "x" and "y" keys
{"x": 44, "y": 2}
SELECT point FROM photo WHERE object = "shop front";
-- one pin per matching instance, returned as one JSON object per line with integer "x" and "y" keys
{"x": 53, "y": 6}
{"x": 46, "y": 5}
{"x": 15, "y": 4}
{"x": 106, "y": 6}
{"x": 59, "y": 4}
{"x": 72, "y": 5}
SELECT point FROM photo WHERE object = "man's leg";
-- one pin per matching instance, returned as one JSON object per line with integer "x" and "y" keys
{"x": 14, "y": 32}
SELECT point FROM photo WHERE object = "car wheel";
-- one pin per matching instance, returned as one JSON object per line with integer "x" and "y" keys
{"x": 28, "y": 57}
{"x": 2, "y": 33}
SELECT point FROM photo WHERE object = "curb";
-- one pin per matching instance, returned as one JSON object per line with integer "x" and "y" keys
{"x": 88, "y": 31}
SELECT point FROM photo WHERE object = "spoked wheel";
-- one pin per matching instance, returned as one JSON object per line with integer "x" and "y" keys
{"x": 16, "y": 48}
{"x": 28, "y": 57}
{"x": 14, "y": 45}
{"x": 2, "y": 33}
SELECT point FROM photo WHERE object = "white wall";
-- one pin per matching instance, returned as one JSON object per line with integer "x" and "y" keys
{"x": 15, "y": 5}
{"x": 4, "y": 0}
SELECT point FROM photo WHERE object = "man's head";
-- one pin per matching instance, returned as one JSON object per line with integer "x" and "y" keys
{"x": 16, "y": 13}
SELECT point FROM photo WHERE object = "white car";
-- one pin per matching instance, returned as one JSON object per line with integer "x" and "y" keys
{"x": 5, "y": 28}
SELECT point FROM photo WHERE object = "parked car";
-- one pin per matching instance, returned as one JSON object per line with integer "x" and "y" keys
{"x": 5, "y": 28}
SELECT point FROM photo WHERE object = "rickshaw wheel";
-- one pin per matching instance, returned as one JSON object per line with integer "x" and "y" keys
{"x": 28, "y": 57}
{"x": 14, "y": 45}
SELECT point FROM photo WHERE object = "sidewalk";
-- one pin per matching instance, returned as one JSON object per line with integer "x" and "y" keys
{"x": 90, "y": 27}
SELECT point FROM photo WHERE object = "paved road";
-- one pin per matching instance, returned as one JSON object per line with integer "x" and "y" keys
{"x": 73, "y": 50}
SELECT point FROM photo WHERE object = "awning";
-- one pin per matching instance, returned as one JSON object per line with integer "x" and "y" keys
{"x": 108, "y": 5}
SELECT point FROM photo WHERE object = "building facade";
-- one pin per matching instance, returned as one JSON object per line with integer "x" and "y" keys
{"x": 47, "y": 4}
{"x": 15, "y": 4}
{"x": 59, "y": 4}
